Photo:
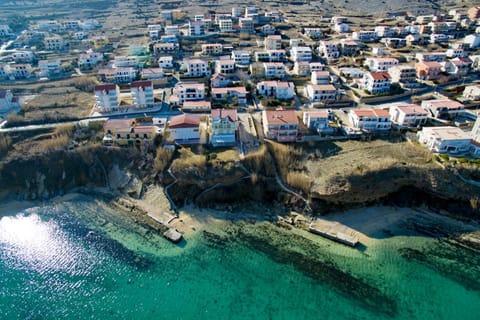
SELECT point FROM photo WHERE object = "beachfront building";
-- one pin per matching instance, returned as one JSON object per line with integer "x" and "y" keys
{"x": 124, "y": 132}
{"x": 142, "y": 94}
{"x": 408, "y": 115}
{"x": 370, "y": 119}
{"x": 280, "y": 125}
{"x": 223, "y": 127}
{"x": 451, "y": 140}
{"x": 283, "y": 90}
{"x": 184, "y": 129}
{"x": 443, "y": 108}
{"x": 107, "y": 97}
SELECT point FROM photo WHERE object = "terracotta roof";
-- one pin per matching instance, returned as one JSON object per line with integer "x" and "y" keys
{"x": 412, "y": 109}
{"x": 184, "y": 121}
{"x": 231, "y": 114}
{"x": 317, "y": 114}
{"x": 105, "y": 87}
{"x": 118, "y": 124}
{"x": 141, "y": 84}
{"x": 444, "y": 103}
{"x": 381, "y": 75}
{"x": 229, "y": 89}
{"x": 371, "y": 113}
{"x": 429, "y": 64}
{"x": 381, "y": 113}
{"x": 143, "y": 129}
{"x": 281, "y": 116}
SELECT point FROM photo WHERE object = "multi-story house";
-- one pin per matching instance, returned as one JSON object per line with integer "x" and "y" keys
{"x": 197, "y": 106}
{"x": 349, "y": 47}
{"x": 124, "y": 132}
{"x": 274, "y": 69}
{"x": 107, "y": 97}
{"x": 370, "y": 119}
{"x": 443, "y": 108}
{"x": 196, "y": 28}
{"x": 89, "y": 59}
{"x": 152, "y": 74}
{"x": 451, "y": 140}
{"x": 321, "y": 93}
{"x": 280, "y": 125}
{"x": 430, "y": 56}
{"x": 246, "y": 25}
{"x": 405, "y": 75}
{"x": 320, "y": 77}
{"x": 225, "y": 25}
{"x": 365, "y": 35}
{"x": 117, "y": 75}
{"x": 383, "y": 31}
{"x": 317, "y": 66}
{"x": 472, "y": 41}
{"x": 272, "y": 42}
{"x": 329, "y": 49}
{"x": 19, "y": 71}
{"x": 457, "y": 67}
{"x": 301, "y": 54}
{"x": 239, "y": 93}
{"x": 126, "y": 61}
{"x": 428, "y": 70}
{"x": 172, "y": 30}
{"x": 218, "y": 80}
{"x": 197, "y": 68}
{"x": 23, "y": 56}
{"x": 165, "y": 62}
{"x": 438, "y": 38}
{"x": 49, "y": 68}
{"x": 270, "y": 56}
{"x": 376, "y": 82}
{"x": 223, "y": 127}
{"x": 318, "y": 121}
{"x": 187, "y": 92}
{"x": 312, "y": 33}
{"x": 226, "y": 66}
{"x": 455, "y": 52}
{"x": 283, "y": 90}
{"x": 212, "y": 49}
{"x": 142, "y": 94}
{"x": 301, "y": 68}
{"x": 241, "y": 58}
{"x": 154, "y": 31}
{"x": 54, "y": 42}
{"x": 394, "y": 42}
{"x": 380, "y": 64}
{"x": 408, "y": 115}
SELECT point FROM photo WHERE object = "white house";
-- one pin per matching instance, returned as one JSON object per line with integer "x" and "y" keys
{"x": 184, "y": 128}
{"x": 376, "y": 82}
{"x": 49, "y": 68}
{"x": 274, "y": 69}
{"x": 107, "y": 97}
{"x": 312, "y": 33}
{"x": 408, "y": 115}
{"x": 19, "y": 71}
{"x": 240, "y": 93}
{"x": 172, "y": 30}
{"x": 380, "y": 64}
{"x": 197, "y": 68}
{"x": 23, "y": 56}
{"x": 321, "y": 92}
{"x": 318, "y": 121}
{"x": 196, "y": 28}
{"x": 225, "y": 66}
{"x": 282, "y": 90}
{"x": 225, "y": 25}
{"x": 142, "y": 94}
{"x": 472, "y": 92}
{"x": 451, "y": 140}
{"x": 301, "y": 54}
{"x": 405, "y": 75}
{"x": 241, "y": 57}
{"x": 126, "y": 61}
{"x": 219, "y": 80}
{"x": 89, "y": 59}
{"x": 329, "y": 49}
{"x": 165, "y": 62}
{"x": 370, "y": 119}
{"x": 272, "y": 42}
{"x": 187, "y": 92}
{"x": 212, "y": 49}
{"x": 54, "y": 42}
{"x": 472, "y": 40}
{"x": 223, "y": 127}
{"x": 320, "y": 77}
{"x": 443, "y": 108}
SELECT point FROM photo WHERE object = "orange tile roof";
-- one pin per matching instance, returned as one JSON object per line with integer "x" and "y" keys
{"x": 281, "y": 116}
{"x": 184, "y": 121}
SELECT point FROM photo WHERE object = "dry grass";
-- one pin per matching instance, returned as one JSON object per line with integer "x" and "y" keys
{"x": 162, "y": 159}
{"x": 259, "y": 162}
{"x": 188, "y": 161}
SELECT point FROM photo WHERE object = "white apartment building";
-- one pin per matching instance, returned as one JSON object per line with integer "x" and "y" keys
{"x": 320, "y": 77}
{"x": 370, "y": 119}
{"x": 380, "y": 64}
{"x": 283, "y": 90}
{"x": 301, "y": 54}
{"x": 321, "y": 93}
{"x": 165, "y": 62}
{"x": 23, "y": 56}
{"x": 376, "y": 82}
{"x": 196, "y": 28}
{"x": 89, "y": 59}
{"x": 212, "y": 49}
{"x": 329, "y": 49}
{"x": 197, "y": 68}
{"x": 274, "y": 69}
{"x": 126, "y": 61}
{"x": 408, "y": 115}
{"x": 49, "y": 68}
{"x": 406, "y": 75}
{"x": 107, "y": 97}
{"x": 225, "y": 25}
{"x": 226, "y": 66}
{"x": 443, "y": 108}
{"x": 241, "y": 57}
{"x": 54, "y": 42}
{"x": 172, "y": 30}
{"x": 142, "y": 94}
{"x": 246, "y": 24}
{"x": 187, "y": 92}
{"x": 312, "y": 33}
{"x": 317, "y": 120}
{"x": 451, "y": 140}
{"x": 272, "y": 42}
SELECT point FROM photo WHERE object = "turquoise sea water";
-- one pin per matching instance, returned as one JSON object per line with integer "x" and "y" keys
{"x": 80, "y": 260}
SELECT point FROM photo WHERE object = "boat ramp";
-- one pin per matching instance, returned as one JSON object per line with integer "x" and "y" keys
{"x": 335, "y": 231}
